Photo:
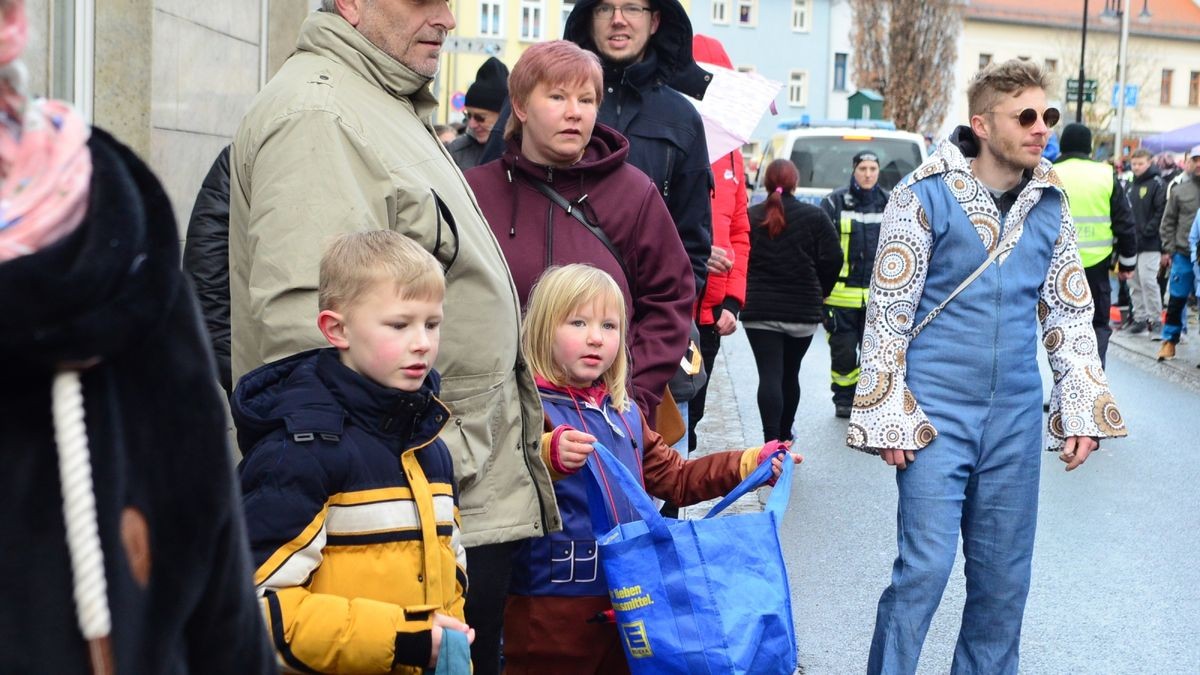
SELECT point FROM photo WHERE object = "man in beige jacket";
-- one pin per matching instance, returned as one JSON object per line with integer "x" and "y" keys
{"x": 340, "y": 140}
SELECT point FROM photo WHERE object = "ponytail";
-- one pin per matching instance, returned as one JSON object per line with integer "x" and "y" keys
{"x": 781, "y": 177}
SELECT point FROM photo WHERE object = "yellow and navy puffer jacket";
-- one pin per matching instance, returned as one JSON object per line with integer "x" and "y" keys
{"x": 352, "y": 514}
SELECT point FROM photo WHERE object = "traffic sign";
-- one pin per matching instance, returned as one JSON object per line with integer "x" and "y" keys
{"x": 476, "y": 45}
{"x": 1089, "y": 90}
{"x": 1131, "y": 95}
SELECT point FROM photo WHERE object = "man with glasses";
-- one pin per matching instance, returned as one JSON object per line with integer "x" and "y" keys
{"x": 339, "y": 141}
{"x": 484, "y": 100}
{"x": 646, "y": 50}
{"x": 1102, "y": 214}
{"x": 977, "y": 248}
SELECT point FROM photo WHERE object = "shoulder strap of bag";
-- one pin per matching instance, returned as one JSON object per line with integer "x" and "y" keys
{"x": 577, "y": 213}
{"x": 1007, "y": 244}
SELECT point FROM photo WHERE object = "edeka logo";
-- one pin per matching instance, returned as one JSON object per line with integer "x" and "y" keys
{"x": 635, "y": 640}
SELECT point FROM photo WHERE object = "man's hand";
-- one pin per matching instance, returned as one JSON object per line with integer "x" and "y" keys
{"x": 726, "y": 324}
{"x": 898, "y": 458}
{"x": 574, "y": 447}
{"x": 442, "y": 623}
{"x": 1165, "y": 263}
{"x": 1125, "y": 276}
{"x": 1076, "y": 450}
{"x": 720, "y": 261}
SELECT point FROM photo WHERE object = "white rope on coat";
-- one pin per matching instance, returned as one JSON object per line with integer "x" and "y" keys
{"x": 79, "y": 507}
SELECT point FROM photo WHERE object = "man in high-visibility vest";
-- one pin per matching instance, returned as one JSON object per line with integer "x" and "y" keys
{"x": 1102, "y": 214}
{"x": 857, "y": 211}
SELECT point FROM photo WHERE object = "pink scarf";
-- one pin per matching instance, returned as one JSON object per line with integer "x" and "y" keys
{"x": 45, "y": 167}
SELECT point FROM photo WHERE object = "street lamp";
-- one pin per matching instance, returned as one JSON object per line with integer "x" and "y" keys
{"x": 1122, "y": 58}
{"x": 1082, "y": 56}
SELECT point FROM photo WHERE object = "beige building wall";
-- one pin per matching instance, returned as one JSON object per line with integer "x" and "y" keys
{"x": 1147, "y": 57}
{"x": 206, "y": 63}
{"x": 171, "y": 78}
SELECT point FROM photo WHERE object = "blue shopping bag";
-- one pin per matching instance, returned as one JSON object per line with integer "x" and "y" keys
{"x": 695, "y": 596}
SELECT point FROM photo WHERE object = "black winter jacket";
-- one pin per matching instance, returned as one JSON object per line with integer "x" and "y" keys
{"x": 666, "y": 135}
{"x": 206, "y": 260}
{"x": 112, "y": 291}
{"x": 1148, "y": 197}
{"x": 790, "y": 276}
{"x": 864, "y": 237}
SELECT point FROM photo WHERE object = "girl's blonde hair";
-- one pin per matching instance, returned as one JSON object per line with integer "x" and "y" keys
{"x": 555, "y": 295}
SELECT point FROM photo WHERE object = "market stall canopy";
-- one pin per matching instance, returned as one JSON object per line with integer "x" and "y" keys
{"x": 1176, "y": 140}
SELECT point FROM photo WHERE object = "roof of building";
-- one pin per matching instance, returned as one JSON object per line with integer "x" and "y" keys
{"x": 1177, "y": 19}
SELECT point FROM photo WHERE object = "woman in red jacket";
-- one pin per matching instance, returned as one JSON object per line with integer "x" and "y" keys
{"x": 556, "y": 151}
{"x": 725, "y": 293}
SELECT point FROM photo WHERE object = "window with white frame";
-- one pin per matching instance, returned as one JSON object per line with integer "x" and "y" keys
{"x": 491, "y": 18}
{"x": 747, "y": 12}
{"x": 798, "y": 88}
{"x": 71, "y": 52}
{"x": 567, "y": 8}
{"x": 532, "y": 12}
{"x": 801, "y": 16}
{"x": 720, "y": 11}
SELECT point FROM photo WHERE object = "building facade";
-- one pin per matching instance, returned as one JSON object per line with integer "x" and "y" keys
{"x": 1163, "y": 57}
{"x": 170, "y": 78}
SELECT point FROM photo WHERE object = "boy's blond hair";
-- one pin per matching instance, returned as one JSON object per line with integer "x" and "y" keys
{"x": 353, "y": 263}
{"x": 555, "y": 295}
{"x": 998, "y": 80}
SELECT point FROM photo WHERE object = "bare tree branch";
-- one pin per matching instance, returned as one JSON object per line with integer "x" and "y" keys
{"x": 906, "y": 50}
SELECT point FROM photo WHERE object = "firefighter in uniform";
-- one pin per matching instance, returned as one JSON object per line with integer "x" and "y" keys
{"x": 1102, "y": 213}
{"x": 857, "y": 210}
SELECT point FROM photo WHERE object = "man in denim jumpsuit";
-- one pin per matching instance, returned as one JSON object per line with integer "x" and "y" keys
{"x": 966, "y": 391}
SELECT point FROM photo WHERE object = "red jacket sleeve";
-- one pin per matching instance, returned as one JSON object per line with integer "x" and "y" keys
{"x": 739, "y": 236}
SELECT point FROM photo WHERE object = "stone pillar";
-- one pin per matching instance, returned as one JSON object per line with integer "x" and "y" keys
{"x": 121, "y": 81}
{"x": 283, "y": 26}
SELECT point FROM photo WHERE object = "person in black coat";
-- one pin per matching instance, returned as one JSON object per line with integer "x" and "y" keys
{"x": 795, "y": 257}
{"x": 101, "y": 322}
{"x": 206, "y": 261}
{"x": 1148, "y": 197}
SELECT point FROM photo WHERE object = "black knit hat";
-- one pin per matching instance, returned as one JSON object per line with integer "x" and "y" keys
{"x": 864, "y": 156}
{"x": 1076, "y": 139}
{"x": 490, "y": 87}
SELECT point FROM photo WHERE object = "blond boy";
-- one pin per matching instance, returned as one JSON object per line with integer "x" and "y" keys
{"x": 350, "y": 498}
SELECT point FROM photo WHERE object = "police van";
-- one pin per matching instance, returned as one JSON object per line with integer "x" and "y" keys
{"x": 822, "y": 152}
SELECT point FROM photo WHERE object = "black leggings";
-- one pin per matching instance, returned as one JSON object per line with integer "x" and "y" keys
{"x": 777, "y": 357}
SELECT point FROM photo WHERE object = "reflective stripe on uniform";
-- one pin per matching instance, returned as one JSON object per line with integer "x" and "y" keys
{"x": 847, "y": 296}
{"x": 847, "y": 380}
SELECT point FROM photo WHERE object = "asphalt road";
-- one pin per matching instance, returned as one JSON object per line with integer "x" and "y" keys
{"x": 1115, "y": 578}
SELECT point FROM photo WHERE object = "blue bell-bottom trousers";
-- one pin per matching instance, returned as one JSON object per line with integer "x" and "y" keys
{"x": 978, "y": 477}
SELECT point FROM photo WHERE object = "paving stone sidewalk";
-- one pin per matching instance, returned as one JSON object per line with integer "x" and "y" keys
{"x": 724, "y": 429}
{"x": 1142, "y": 350}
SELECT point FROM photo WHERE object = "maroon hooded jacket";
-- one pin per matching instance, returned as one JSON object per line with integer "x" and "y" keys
{"x": 535, "y": 234}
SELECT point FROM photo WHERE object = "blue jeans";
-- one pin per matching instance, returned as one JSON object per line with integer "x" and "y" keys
{"x": 681, "y": 446}
{"x": 979, "y": 476}
{"x": 1180, "y": 285}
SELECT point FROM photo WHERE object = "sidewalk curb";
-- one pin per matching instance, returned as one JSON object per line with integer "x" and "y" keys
{"x": 1181, "y": 370}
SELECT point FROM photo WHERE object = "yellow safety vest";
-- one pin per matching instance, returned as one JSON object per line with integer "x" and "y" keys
{"x": 1089, "y": 187}
{"x": 842, "y": 295}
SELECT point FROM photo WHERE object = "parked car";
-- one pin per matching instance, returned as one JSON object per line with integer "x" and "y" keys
{"x": 822, "y": 151}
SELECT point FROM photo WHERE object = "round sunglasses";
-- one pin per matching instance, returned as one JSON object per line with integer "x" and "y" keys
{"x": 1028, "y": 116}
